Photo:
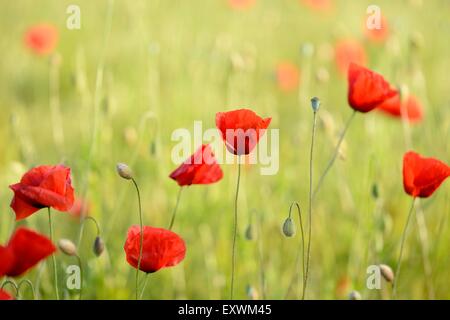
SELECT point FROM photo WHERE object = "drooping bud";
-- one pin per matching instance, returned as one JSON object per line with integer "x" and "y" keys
{"x": 124, "y": 171}
{"x": 354, "y": 295}
{"x": 249, "y": 232}
{"x": 315, "y": 104}
{"x": 387, "y": 272}
{"x": 375, "y": 193}
{"x": 99, "y": 246}
{"x": 289, "y": 228}
{"x": 67, "y": 247}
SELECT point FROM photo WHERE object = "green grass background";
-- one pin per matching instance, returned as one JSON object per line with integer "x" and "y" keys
{"x": 137, "y": 70}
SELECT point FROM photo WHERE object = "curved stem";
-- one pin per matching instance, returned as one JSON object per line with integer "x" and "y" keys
{"x": 55, "y": 271}
{"x": 141, "y": 241}
{"x": 95, "y": 221}
{"x": 81, "y": 275}
{"x": 13, "y": 284}
{"x": 397, "y": 272}
{"x": 302, "y": 251}
{"x": 335, "y": 154}
{"x": 174, "y": 213}
{"x": 308, "y": 254}
{"x": 30, "y": 284}
{"x": 233, "y": 253}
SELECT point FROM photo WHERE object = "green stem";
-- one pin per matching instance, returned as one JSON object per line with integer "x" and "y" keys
{"x": 308, "y": 254}
{"x": 233, "y": 253}
{"x": 141, "y": 241}
{"x": 81, "y": 275}
{"x": 174, "y": 213}
{"x": 402, "y": 244}
{"x": 144, "y": 286}
{"x": 55, "y": 271}
{"x": 333, "y": 158}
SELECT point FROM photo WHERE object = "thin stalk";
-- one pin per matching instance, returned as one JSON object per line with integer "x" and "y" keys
{"x": 308, "y": 254}
{"x": 13, "y": 284}
{"x": 261, "y": 259}
{"x": 233, "y": 253}
{"x": 300, "y": 251}
{"x": 335, "y": 154}
{"x": 81, "y": 275}
{"x": 397, "y": 272}
{"x": 144, "y": 286}
{"x": 141, "y": 241}
{"x": 55, "y": 271}
{"x": 174, "y": 213}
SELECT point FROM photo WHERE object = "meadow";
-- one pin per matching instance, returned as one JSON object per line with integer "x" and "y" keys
{"x": 115, "y": 90}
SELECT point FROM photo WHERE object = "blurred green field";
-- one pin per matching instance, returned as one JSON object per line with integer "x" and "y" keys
{"x": 138, "y": 70}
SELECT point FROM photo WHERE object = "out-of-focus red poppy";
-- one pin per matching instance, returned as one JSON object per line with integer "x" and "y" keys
{"x": 412, "y": 108}
{"x": 288, "y": 76}
{"x": 161, "y": 248}
{"x": 319, "y": 5}
{"x": 25, "y": 249}
{"x": 5, "y": 295}
{"x": 41, "y": 38}
{"x": 422, "y": 176}
{"x": 367, "y": 89}
{"x": 347, "y": 51}
{"x": 200, "y": 168}
{"x": 241, "y": 4}
{"x": 241, "y": 129}
{"x": 80, "y": 208}
{"x": 41, "y": 187}
{"x": 378, "y": 35}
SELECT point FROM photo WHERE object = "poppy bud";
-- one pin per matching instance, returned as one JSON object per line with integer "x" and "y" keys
{"x": 315, "y": 104}
{"x": 288, "y": 228}
{"x": 99, "y": 246}
{"x": 387, "y": 272}
{"x": 67, "y": 247}
{"x": 375, "y": 193}
{"x": 124, "y": 171}
{"x": 249, "y": 233}
{"x": 354, "y": 295}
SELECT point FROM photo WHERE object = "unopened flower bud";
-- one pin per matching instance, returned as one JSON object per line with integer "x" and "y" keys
{"x": 124, "y": 171}
{"x": 99, "y": 246}
{"x": 354, "y": 295}
{"x": 288, "y": 228}
{"x": 67, "y": 247}
{"x": 387, "y": 272}
{"x": 315, "y": 104}
{"x": 375, "y": 193}
{"x": 249, "y": 233}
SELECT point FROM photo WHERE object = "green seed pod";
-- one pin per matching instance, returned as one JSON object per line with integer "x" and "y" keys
{"x": 354, "y": 295}
{"x": 99, "y": 246}
{"x": 67, "y": 247}
{"x": 249, "y": 233}
{"x": 387, "y": 272}
{"x": 124, "y": 171}
{"x": 315, "y": 104}
{"x": 289, "y": 228}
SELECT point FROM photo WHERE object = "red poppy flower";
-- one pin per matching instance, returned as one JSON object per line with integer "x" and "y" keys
{"x": 43, "y": 186}
{"x": 5, "y": 295}
{"x": 200, "y": 168}
{"x": 24, "y": 250}
{"x": 288, "y": 76}
{"x": 347, "y": 51}
{"x": 367, "y": 89}
{"x": 378, "y": 35}
{"x": 241, "y": 4}
{"x": 161, "y": 248}
{"x": 241, "y": 129}
{"x": 413, "y": 108}
{"x": 41, "y": 38}
{"x": 422, "y": 176}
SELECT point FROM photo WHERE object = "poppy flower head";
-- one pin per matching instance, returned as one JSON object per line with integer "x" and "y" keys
{"x": 43, "y": 186}
{"x": 378, "y": 35}
{"x": 161, "y": 248}
{"x": 347, "y": 51}
{"x": 367, "y": 89}
{"x": 422, "y": 176}
{"x": 41, "y": 38}
{"x": 199, "y": 168}
{"x": 411, "y": 107}
{"x": 287, "y": 76}
{"x": 5, "y": 295}
{"x": 241, "y": 129}
{"x": 25, "y": 249}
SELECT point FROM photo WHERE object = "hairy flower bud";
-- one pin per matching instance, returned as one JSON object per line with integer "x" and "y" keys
{"x": 387, "y": 272}
{"x": 67, "y": 247}
{"x": 124, "y": 171}
{"x": 288, "y": 228}
{"x": 99, "y": 246}
{"x": 354, "y": 295}
{"x": 249, "y": 233}
{"x": 315, "y": 104}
